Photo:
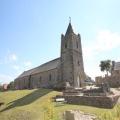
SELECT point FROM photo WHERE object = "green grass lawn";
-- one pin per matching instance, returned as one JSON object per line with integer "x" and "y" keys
{"x": 37, "y": 105}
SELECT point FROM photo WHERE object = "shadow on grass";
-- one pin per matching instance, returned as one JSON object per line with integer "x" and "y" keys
{"x": 27, "y": 99}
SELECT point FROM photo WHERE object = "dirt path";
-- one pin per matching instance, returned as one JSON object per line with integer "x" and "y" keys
{"x": 117, "y": 92}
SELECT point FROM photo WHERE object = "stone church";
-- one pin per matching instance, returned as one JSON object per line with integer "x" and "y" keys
{"x": 68, "y": 68}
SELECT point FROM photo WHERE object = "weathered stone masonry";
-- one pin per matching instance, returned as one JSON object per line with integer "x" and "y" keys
{"x": 54, "y": 74}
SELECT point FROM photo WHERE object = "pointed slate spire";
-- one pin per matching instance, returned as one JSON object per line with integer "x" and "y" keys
{"x": 69, "y": 29}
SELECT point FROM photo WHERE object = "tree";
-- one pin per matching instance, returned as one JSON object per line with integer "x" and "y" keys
{"x": 105, "y": 66}
{"x": 11, "y": 86}
{"x": 1, "y": 87}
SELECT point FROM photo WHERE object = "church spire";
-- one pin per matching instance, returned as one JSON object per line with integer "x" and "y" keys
{"x": 69, "y": 29}
{"x": 69, "y": 19}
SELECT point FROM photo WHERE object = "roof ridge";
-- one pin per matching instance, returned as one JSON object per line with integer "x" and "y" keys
{"x": 34, "y": 70}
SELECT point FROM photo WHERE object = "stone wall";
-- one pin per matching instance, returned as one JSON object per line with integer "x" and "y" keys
{"x": 115, "y": 72}
{"x": 46, "y": 79}
{"x": 97, "y": 101}
{"x": 113, "y": 81}
{"x": 22, "y": 83}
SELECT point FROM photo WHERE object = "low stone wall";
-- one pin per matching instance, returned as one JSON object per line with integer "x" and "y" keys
{"x": 73, "y": 92}
{"x": 113, "y": 81}
{"x": 97, "y": 101}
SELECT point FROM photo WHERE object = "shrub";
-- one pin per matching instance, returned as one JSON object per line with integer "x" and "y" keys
{"x": 111, "y": 115}
{"x": 48, "y": 110}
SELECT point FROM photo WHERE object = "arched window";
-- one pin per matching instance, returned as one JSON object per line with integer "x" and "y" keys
{"x": 77, "y": 44}
{"x": 50, "y": 77}
{"x": 65, "y": 45}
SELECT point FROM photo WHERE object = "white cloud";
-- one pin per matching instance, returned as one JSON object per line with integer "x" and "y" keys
{"x": 94, "y": 71}
{"x": 5, "y": 78}
{"x": 9, "y": 57}
{"x": 89, "y": 52}
{"x": 105, "y": 41}
{"x": 13, "y": 57}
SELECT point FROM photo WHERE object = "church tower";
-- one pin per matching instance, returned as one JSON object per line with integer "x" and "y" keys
{"x": 72, "y": 68}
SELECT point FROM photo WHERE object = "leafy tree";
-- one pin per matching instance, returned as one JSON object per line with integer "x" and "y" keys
{"x": 11, "y": 85}
{"x": 105, "y": 66}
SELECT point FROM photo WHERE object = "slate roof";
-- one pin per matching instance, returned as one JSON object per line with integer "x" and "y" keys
{"x": 44, "y": 67}
{"x": 69, "y": 29}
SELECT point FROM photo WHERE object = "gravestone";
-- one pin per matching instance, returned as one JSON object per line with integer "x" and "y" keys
{"x": 78, "y": 115}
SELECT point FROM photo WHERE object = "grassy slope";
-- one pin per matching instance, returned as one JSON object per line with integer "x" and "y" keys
{"x": 30, "y": 104}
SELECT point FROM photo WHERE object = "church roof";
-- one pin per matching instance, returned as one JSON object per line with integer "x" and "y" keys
{"x": 27, "y": 73}
{"x": 44, "y": 67}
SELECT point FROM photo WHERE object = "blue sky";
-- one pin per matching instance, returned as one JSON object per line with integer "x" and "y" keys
{"x": 30, "y": 32}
